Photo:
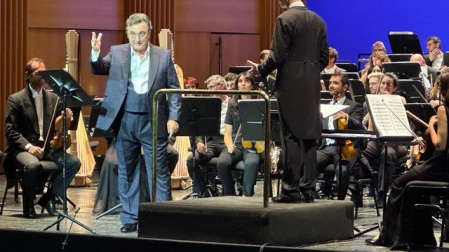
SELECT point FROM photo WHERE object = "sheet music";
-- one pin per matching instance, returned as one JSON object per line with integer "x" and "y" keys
{"x": 389, "y": 117}
{"x": 328, "y": 110}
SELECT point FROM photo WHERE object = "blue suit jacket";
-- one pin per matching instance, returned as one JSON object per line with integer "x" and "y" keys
{"x": 162, "y": 74}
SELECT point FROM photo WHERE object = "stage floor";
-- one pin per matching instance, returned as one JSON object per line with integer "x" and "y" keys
{"x": 110, "y": 224}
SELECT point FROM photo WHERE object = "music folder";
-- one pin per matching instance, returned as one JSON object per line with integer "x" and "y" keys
{"x": 389, "y": 118}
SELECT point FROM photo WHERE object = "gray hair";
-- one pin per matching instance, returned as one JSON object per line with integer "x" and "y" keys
{"x": 137, "y": 18}
{"x": 216, "y": 78}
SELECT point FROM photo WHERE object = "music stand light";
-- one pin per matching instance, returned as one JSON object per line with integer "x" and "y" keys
{"x": 71, "y": 93}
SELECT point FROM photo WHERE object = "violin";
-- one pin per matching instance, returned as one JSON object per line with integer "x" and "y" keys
{"x": 347, "y": 147}
{"x": 57, "y": 142}
{"x": 426, "y": 147}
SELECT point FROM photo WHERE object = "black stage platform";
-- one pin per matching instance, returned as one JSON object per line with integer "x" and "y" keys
{"x": 243, "y": 220}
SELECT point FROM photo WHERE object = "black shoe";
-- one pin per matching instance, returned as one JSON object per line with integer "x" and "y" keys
{"x": 287, "y": 199}
{"x": 375, "y": 242}
{"x": 308, "y": 197}
{"x": 50, "y": 207}
{"x": 128, "y": 228}
{"x": 29, "y": 212}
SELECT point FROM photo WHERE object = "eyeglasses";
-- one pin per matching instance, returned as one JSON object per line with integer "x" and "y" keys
{"x": 141, "y": 35}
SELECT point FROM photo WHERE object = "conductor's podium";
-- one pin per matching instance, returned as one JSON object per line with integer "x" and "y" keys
{"x": 243, "y": 220}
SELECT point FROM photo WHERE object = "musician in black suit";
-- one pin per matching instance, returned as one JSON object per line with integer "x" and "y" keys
{"x": 299, "y": 51}
{"x": 29, "y": 116}
{"x": 328, "y": 152}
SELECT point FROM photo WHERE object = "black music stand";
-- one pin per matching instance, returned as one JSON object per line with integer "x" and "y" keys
{"x": 71, "y": 94}
{"x": 404, "y": 43}
{"x": 252, "y": 119}
{"x": 348, "y": 66}
{"x": 397, "y": 57}
{"x": 412, "y": 89}
{"x": 404, "y": 70}
{"x": 421, "y": 110}
{"x": 239, "y": 69}
{"x": 200, "y": 116}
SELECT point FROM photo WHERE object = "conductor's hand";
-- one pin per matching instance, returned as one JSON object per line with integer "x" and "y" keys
{"x": 36, "y": 151}
{"x": 253, "y": 70}
{"x": 172, "y": 127}
{"x": 96, "y": 41}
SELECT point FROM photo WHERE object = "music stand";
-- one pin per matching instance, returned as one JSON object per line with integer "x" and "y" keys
{"x": 404, "y": 70}
{"x": 413, "y": 89}
{"x": 239, "y": 69}
{"x": 200, "y": 116}
{"x": 252, "y": 119}
{"x": 397, "y": 57}
{"x": 348, "y": 66}
{"x": 423, "y": 111}
{"x": 404, "y": 43}
{"x": 71, "y": 93}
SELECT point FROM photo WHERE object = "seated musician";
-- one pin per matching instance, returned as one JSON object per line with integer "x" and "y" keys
{"x": 327, "y": 152}
{"x": 375, "y": 151}
{"x": 29, "y": 116}
{"x": 331, "y": 66}
{"x": 397, "y": 224}
{"x": 208, "y": 147}
{"x": 235, "y": 151}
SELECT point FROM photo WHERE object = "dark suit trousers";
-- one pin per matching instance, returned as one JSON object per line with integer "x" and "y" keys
{"x": 300, "y": 164}
{"x": 329, "y": 155}
{"x": 136, "y": 133}
{"x": 32, "y": 168}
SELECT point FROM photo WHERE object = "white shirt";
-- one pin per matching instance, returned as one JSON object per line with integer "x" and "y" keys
{"x": 296, "y": 4}
{"x": 224, "y": 109}
{"x": 139, "y": 69}
{"x": 330, "y": 123}
{"x": 39, "y": 102}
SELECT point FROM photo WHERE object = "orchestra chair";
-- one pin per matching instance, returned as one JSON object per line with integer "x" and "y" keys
{"x": 427, "y": 189}
{"x": 212, "y": 181}
{"x": 14, "y": 178}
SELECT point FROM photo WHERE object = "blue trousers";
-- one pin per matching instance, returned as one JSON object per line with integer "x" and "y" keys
{"x": 135, "y": 134}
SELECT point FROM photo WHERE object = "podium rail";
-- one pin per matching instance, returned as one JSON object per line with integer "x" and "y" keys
{"x": 267, "y": 168}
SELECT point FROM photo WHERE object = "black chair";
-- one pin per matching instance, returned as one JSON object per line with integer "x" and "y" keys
{"x": 212, "y": 181}
{"x": 14, "y": 178}
{"x": 428, "y": 188}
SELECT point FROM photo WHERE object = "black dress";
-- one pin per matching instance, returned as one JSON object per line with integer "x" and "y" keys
{"x": 397, "y": 228}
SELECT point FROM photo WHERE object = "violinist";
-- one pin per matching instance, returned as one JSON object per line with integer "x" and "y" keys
{"x": 395, "y": 227}
{"x": 29, "y": 122}
{"x": 327, "y": 152}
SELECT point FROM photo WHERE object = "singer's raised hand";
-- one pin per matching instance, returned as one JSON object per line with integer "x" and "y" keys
{"x": 96, "y": 41}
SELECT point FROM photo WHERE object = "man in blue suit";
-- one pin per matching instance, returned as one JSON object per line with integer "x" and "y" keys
{"x": 136, "y": 71}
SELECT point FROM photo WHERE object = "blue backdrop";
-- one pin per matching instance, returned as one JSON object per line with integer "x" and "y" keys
{"x": 354, "y": 25}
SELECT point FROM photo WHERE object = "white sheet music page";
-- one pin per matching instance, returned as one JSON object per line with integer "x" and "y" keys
{"x": 389, "y": 117}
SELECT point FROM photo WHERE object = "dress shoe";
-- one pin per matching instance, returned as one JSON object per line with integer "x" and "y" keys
{"x": 308, "y": 197}
{"x": 29, "y": 212}
{"x": 287, "y": 199}
{"x": 50, "y": 206}
{"x": 375, "y": 242}
{"x": 128, "y": 228}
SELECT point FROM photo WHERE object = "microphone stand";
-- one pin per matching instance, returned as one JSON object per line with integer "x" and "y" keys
{"x": 64, "y": 214}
